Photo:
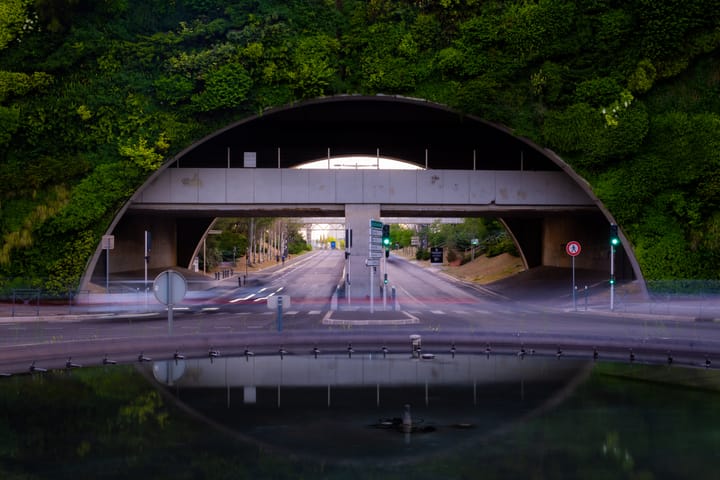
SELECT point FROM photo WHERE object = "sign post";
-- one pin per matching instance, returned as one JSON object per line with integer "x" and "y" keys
{"x": 108, "y": 243}
{"x": 573, "y": 249}
{"x": 375, "y": 249}
{"x": 148, "y": 247}
{"x": 169, "y": 288}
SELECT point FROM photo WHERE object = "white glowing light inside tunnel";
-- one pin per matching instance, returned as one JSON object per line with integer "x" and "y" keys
{"x": 359, "y": 162}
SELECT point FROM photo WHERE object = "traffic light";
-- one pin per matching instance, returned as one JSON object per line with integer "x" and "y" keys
{"x": 614, "y": 238}
{"x": 385, "y": 279}
{"x": 612, "y": 279}
{"x": 386, "y": 235}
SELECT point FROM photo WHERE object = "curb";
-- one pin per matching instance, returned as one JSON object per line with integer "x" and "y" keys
{"x": 68, "y": 318}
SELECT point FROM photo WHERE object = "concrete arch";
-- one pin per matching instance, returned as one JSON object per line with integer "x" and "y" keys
{"x": 424, "y": 133}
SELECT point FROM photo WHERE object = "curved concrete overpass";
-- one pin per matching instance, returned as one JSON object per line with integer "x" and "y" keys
{"x": 470, "y": 168}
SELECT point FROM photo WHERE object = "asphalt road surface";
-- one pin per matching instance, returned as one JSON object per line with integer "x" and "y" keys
{"x": 444, "y": 311}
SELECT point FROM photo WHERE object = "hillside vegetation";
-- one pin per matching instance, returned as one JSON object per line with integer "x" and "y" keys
{"x": 96, "y": 94}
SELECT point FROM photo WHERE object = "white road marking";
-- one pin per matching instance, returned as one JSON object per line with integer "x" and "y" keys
{"x": 241, "y": 299}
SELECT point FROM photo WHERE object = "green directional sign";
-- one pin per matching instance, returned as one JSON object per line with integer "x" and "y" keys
{"x": 375, "y": 224}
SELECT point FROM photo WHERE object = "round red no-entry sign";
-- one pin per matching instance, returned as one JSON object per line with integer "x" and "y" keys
{"x": 573, "y": 248}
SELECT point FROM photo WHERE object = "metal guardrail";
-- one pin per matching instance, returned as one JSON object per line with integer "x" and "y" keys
{"x": 26, "y": 296}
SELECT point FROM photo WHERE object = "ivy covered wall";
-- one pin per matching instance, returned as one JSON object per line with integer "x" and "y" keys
{"x": 96, "y": 94}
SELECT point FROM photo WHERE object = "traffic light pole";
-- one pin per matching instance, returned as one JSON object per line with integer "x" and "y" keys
{"x": 384, "y": 280}
{"x": 385, "y": 283}
{"x": 612, "y": 277}
{"x": 614, "y": 242}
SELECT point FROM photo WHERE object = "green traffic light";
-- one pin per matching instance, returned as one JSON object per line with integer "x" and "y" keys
{"x": 386, "y": 235}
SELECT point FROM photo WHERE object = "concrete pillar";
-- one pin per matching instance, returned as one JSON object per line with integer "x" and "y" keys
{"x": 128, "y": 255}
{"x": 357, "y": 218}
{"x": 591, "y": 230}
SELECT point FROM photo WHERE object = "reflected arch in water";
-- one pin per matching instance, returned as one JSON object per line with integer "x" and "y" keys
{"x": 351, "y": 410}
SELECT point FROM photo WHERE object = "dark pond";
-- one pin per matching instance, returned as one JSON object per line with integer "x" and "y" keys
{"x": 362, "y": 417}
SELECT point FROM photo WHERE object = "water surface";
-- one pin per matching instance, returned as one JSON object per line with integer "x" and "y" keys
{"x": 472, "y": 417}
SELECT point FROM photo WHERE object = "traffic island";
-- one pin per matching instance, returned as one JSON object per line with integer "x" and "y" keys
{"x": 366, "y": 317}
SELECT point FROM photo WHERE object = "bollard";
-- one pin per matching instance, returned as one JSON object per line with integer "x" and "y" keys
{"x": 416, "y": 345}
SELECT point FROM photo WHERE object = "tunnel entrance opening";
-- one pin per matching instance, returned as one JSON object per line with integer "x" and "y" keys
{"x": 466, "y": 168}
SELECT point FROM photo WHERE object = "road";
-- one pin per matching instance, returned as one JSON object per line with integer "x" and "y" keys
{"x": 440, "y": 308}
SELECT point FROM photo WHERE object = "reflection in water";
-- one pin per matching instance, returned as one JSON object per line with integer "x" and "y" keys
{"x": 468, "y": 417}
{"x": 390, "y": 409}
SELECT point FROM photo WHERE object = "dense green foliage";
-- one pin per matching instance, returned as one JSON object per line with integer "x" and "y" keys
{"x": 456, "y": 238}
{"x": 95, "y": 95}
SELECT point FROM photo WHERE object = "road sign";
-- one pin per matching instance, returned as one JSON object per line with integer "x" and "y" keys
{"x": 108, "y": 242}
{"x": 573, "y": 248}
{"x": 282, "y": 300}
{"x": 169, "y": 287}
{"x": 375, "y": 249}
{"x": 436, "y": 255}
{"x": 372, "y": 262}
